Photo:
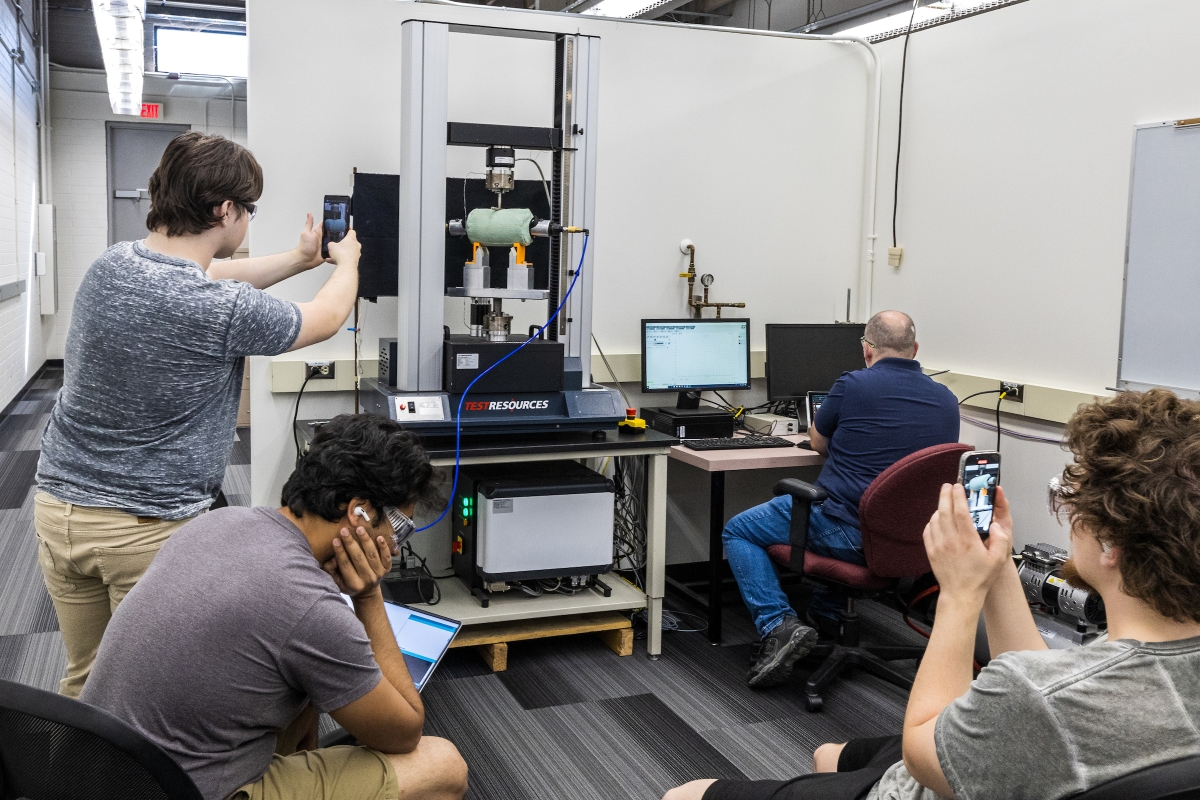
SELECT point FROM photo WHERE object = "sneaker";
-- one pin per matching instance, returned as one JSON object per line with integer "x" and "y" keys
{"x": 778, "y": 651}
{"x": 827, "y": 627}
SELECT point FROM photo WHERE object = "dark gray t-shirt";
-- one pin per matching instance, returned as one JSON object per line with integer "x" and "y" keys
{"x": 233, "y": 628}
{"x": 145, "y": 419}
{"x": 1045, "y": 724}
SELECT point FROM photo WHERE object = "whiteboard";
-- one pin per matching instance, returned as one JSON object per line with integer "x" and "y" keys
{"x": 1160, "y": 342}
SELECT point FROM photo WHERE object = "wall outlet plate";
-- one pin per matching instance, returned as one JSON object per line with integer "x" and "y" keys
{"x": 1015, "y": 391}
{"x": 318, "y": 370}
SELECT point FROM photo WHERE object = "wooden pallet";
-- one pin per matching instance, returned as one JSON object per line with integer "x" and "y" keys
{"x": 491, "y": 639}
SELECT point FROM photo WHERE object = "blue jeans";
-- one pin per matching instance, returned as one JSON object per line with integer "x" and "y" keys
{"x": 747, "y": 537}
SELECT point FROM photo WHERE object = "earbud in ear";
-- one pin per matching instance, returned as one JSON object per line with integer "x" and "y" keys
{"x": 358, "y": 512}
{"x": 1106, "y": 547}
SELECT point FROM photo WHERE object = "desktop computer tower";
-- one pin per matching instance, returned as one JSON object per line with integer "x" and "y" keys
{"x": 688, "y": 423}
{"x": 520, "y": 522}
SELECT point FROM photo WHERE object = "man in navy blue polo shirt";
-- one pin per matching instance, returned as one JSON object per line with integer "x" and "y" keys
{"x": 873, "y": 418}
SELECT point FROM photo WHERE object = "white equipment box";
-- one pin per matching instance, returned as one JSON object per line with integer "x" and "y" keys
{"x": 561, "y": 534}
{"x": 528, "y": 521}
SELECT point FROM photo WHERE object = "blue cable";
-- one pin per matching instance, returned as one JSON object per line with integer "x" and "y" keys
{"x": 458, "y": 421}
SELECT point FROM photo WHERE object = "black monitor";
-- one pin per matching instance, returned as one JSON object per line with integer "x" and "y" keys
{"x": 810, "y": 358}
{"x": 694, "y": 355}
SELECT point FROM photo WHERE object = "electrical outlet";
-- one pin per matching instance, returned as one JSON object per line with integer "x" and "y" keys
{"x": 318, "y": 370}
{"x": 1016, "y": 391}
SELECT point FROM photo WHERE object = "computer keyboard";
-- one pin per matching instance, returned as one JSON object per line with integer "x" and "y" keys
{"x": 738, "y": 443}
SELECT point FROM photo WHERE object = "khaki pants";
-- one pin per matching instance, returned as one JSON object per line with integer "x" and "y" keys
{"x": 91, "y": 558}
{"x": 331, "y": 773}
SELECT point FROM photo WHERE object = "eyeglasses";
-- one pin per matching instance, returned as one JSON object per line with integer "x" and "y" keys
{"x": 402, "y": 526}
{"x": 863, "y": 339}
{"x": 251, "y": 209}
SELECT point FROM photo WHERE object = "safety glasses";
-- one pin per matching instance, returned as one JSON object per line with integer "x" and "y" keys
{"x": 402, "y": 526}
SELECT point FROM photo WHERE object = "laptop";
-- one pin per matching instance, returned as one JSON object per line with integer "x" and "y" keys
{"x": 423, "y": 638}
{"x": 812, "y": 402}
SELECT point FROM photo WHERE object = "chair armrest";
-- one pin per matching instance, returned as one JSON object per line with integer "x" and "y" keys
{"x": 803, "y": 496}
{"x": 799, "y": 490}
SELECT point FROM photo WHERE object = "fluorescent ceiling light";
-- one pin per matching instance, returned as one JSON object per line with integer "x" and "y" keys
{"x": 200, "y": 52}
{"x": 623, "y": 9}
{"x": 119, "y": 25}
{"x": 899, "y": 22}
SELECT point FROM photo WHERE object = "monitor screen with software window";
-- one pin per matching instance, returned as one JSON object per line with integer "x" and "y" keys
{"x": 691, "y": 355}
{"x": 810, "y": 358}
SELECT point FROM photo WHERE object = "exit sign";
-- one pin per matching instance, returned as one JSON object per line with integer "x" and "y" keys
{"x": 151, "y": 110}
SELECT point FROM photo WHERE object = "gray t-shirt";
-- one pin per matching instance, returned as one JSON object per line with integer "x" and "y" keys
{"x": 145, "y": 419}
{"x": 1047, "y": 724}
{"x": 233, "y": 628}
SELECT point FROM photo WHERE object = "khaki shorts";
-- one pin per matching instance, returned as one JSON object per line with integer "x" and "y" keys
{"x": 331, "y": 773}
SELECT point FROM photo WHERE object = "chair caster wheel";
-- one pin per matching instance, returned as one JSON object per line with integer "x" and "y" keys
{"x": 813, "y": 703}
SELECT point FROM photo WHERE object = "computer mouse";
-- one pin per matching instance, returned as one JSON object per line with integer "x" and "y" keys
{"x": 806, "y": 445}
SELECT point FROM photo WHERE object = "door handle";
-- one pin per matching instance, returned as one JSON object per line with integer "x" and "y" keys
{"x": 131, "y": 194}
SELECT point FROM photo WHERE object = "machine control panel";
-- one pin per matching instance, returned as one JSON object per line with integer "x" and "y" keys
{"x": 418, "y": 408}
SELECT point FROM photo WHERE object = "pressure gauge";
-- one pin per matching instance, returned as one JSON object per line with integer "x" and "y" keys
{"x": 706, "y": 279}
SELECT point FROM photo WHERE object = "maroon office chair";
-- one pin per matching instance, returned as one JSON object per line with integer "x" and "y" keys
{"x": 892, "y": 515}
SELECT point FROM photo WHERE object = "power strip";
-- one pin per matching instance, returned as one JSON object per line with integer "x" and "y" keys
{"x": 772, "y": 424}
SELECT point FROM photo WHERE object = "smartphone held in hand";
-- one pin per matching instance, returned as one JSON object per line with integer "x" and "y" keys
{"x": 979, "y": 473}
{"x": 335, "y": 221}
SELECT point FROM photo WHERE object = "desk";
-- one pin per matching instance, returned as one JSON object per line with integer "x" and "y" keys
{"x": 458, "y": 603}
{"x": 716, "y": 463}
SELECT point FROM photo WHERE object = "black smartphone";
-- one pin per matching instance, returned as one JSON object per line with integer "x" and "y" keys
{"x": 979, "y": 473}
{"x": 336, "y": 221}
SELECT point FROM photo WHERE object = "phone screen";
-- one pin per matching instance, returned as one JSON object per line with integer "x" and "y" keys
{"x": 980, "y": 475}
{"x": 336, "y": 221}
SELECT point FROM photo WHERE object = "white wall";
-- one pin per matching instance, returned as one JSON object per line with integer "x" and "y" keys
{"x": 752, "y": 147}
{"x": 1013, "y": 193}
{"x": 1014, "y": 186}
{"x": 79, "y": 107}
{"x": 1014, "y": 183}
{"x": 23, "y": 332}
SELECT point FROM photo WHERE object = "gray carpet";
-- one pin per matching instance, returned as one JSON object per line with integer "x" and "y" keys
{"x": 569, "y": 719}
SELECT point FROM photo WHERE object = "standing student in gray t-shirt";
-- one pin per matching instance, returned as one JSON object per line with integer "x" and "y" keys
{"x": 1046, "y": 724}
{"x": 142, "y": 431}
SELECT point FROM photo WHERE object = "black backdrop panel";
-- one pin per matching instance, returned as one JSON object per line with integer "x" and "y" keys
{"x": 525, "y": 194}
{"x": 376, "y": 211}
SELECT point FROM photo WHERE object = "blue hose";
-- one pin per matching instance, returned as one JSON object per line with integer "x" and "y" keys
{"x": 458, "y": 421}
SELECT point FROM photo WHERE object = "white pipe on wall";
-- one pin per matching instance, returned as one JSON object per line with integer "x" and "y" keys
{"x": 47, "y": 191}
{"x": 866, "y": 271}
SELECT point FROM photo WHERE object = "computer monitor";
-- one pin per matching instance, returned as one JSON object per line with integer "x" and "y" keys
{"x": 810, "y": 358}
{"x": 694, "y": 355}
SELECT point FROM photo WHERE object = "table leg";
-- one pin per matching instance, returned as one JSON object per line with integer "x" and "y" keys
{"x": 656, "y": 550}
{"x": 716, "y": 524}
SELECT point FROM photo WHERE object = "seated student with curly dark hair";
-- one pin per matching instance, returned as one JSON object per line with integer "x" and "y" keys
{"x": 1041, "y": 723}
{"x": 236, "y": 636}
